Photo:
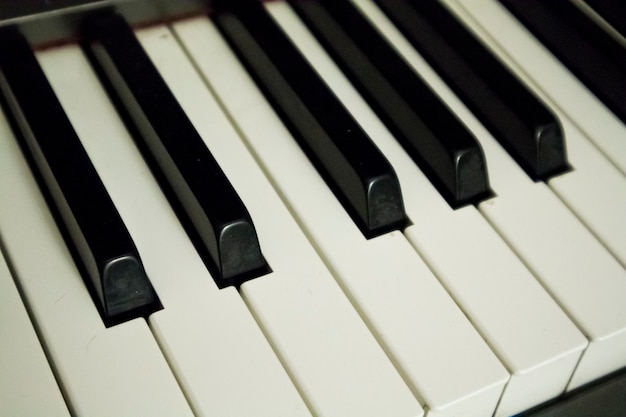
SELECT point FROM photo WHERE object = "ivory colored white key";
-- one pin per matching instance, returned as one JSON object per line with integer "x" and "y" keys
{"x": 103, "y": 371}
{"x": 587, "y": 292}
{"x": 595, "y": 190}
{"x": 396, "y": 294}
{"x": 27, "y": 385}
{"x": 326, "y": 348}
{"x": 459, "y": 245}
{"x": 220, "y": 357}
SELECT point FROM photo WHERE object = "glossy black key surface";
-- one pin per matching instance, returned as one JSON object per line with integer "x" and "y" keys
{"x": 554, "y": 23}
{"x": 89, "y": 217}
{"x": 582, "y": 20}
{"x": 441, "y": 145}
{"x": 163, "y": 129}
{"x": 612, "y": 11}
{"x": 345, "y": 156}
{"x": 515, "y": 117}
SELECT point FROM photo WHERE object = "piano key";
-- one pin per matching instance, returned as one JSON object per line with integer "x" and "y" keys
{"x": 103, "y": 371}
{"x": 27, "y": 385}
{"x": 225, "y": 229}
{"x": 97, "y": 232}
{"x": 594, "y": 190}
{"x": 612, "y": 11}
{"x": 327, "y": 350}
{"x": 513, "y": 115}
{"x": 597, "y": 71}
{"x": 566, "y": 259}
{"x": 595, "y": 32}
{"x": 343, "y": 153}
{"x": 480, "y": 286}
{"x": 406, "y": 313}
{"x": 226, "y": 367}
{"x": 439, "y": 143}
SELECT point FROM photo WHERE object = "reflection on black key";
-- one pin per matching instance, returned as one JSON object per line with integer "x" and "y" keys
{"x": 444, "y": 149}
{"x": 357, "y": 172}
{"x": 90, "y": 218}
{"x": 516, "y": 118}
{"x": 554, "y": 24}
{"x": 207, "y": 197}
{"x": 613, "y": 11}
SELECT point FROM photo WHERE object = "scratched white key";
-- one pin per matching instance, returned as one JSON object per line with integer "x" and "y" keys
{"x": 27, "y": 385}
{"x": 103, "y": 371}
{"x": 219, "y": 355}
{"x": 328, "y": 351}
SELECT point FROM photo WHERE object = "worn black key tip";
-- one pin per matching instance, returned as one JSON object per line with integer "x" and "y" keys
{"x": 472, "y": 181}
{"x": 385, "y": 205}
{"x": 240, "y": 254}
{"x": 125, "y": 286}
{"x": 551, "y": 153}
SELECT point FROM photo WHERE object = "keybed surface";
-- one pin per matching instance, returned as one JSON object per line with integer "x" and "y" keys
{"x": 487, "y": 309}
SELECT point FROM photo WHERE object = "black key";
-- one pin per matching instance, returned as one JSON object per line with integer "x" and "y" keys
{"x": 89, "y": 217}
{"x": 354, "y": 168}
{"x": 554, "y": 24}
{"x": 603, "y": 398}
{"x": 515, "y": 117}
{"x": 441, "y": 145}
{"x": 613, "y": 11}
{"x": 580, "y": 19}
{"x": 162, "y": 128}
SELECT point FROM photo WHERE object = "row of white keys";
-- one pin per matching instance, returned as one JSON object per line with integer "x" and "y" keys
{"x": 595, "y": 190}
{"x": 219, "y": 355}
{"x": 27, "y": 385}
{"x": 527, "y": 330}
{"x": 325, "y": 346}
{"x": 436, "y": 225}
{"x": 412, "y": 316}
{"x": 102, "y": 371}
{"x": 584, "y": 279}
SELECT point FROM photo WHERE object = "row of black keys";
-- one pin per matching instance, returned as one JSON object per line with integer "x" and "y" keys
{"x": 358, "y": 173}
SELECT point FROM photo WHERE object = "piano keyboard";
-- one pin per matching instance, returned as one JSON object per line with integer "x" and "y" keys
{"x": 512, "y": 305}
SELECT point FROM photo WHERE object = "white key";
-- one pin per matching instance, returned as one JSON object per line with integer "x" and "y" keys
{"x": 595, "y": 190}
{"x": 322, "y": 342}
{"x": 210, "y": 339}
{"x": 27, "y": 385}
{"x": 103, "y": 372}
{"x": 476, "y": 266}
{"x": 392, "y": 288}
